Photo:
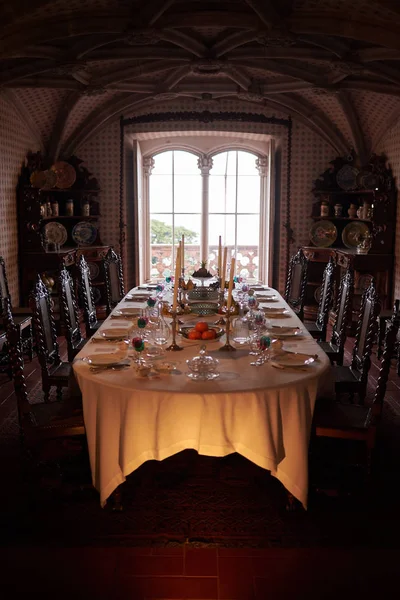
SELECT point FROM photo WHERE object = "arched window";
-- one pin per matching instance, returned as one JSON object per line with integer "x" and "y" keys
{"x": 204, "y": 197}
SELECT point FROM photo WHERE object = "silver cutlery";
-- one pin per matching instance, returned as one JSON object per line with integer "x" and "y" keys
{"x": 116, "y": 367}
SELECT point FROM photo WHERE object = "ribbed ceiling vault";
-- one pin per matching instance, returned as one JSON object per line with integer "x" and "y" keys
{"x": 69, "y": 67}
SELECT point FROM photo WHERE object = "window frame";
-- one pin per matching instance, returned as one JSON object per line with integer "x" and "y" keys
{"x": 266, "y": 225}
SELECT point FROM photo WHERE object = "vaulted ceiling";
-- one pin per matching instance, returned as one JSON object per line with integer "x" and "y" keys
{"x": 71, "y": 66}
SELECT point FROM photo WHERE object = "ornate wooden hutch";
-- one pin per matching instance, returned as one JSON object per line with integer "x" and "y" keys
{"x": 66, "y": 195}
{"x": 354, "y": 208}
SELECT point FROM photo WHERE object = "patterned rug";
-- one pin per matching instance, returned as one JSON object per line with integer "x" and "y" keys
{"x": 200, "y": 500}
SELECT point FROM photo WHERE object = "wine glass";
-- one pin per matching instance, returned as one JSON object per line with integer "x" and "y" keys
{"x": 260, "y": 347}
{"x": 138, "y": 346}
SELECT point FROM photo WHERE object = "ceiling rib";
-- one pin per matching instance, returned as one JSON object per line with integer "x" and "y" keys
{"x": 354, "y": 123}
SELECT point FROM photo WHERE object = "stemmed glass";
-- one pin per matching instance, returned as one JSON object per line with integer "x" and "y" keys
{"x": 259, "y": 346}
{"x": 138, "y": 346}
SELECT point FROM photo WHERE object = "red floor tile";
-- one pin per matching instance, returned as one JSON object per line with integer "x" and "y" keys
{"x": 156, "y": 566}
{"x": 235, "y": 578}
{"x": 178, "y": 588}
{"x": 201, "y": 561}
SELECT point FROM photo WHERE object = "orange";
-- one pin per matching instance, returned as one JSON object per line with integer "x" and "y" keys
{"x": 194, "y": 335}
{"x": 201, "y": 326}
{"x": 209, "y": 335}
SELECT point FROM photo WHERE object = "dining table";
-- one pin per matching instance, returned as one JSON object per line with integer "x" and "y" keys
{"x": 262, "y": 412}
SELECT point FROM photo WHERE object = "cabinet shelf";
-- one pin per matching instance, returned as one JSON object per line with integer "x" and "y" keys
{"x": 343, "y": 192}
{"x": 63, "y": 190}
{"x": 319, "y": 218}
{"x": 73, "y": 218}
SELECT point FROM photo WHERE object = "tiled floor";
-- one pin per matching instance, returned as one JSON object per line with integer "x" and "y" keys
{"x": 116, "y": 573}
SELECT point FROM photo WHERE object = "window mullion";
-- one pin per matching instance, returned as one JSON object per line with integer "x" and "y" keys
{"x": 205, "y": 164}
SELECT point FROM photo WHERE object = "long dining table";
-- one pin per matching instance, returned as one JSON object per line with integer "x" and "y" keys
{"x": 263, "y": 413}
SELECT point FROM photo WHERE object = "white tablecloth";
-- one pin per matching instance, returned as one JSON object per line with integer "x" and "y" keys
{"x": 262, "y": 413}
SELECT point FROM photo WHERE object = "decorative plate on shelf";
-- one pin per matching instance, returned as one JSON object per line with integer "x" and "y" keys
{"x": 323, "y": 234}
{"x": 94, "y": 269}
{"x": 65, "y": 174}
{"x": 347, "y": 178}
{"x": 363, "y": 282}
{"x": 351, "y": 233}
{"x": 96, "y": 295}
{"x": 84, "y": 233}
{"x": 367, "y": 180}
{"x": 55, "y": 233}
{"x": 45, "y": 180}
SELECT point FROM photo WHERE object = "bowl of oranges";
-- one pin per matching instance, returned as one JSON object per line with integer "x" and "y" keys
{"x": 201, "y": 331}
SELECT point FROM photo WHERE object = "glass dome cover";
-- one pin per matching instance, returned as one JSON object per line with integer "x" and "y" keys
{"x": 203, "y": 366}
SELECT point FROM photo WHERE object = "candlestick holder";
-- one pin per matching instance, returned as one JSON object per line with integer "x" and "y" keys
{"x": 227, "y": 347}
{"x": 221, "y": 291}
{"x": 174, "y": 346}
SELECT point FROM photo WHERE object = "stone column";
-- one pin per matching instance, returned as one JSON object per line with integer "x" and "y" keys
{"x": 144, "y": 213}
{"x": 205, "y": 164}
{"x": 265, "y": 225}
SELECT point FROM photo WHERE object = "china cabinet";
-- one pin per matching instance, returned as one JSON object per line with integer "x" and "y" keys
{"x": 58, "y": 213}
{"x": 353, "y": 219}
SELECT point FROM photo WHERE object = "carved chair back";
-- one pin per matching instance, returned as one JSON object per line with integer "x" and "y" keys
{"x": 366, "y": 330}
{"x": 114, "y": 279}
{"x": 392, "y": 329}
{"x": 69, "y": 311}
{"x": 343, "y": 310}
{"x": 4, "y": 291}
{"x": 44, "y": 326}
{"x": 296, "y": 282}
{"x": 89, "y": 309}
{"x": 326, "y": 297}
{"x": 14, "y": 344}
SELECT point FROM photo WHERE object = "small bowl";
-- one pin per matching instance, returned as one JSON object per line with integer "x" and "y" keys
{"x": 218, "y": 333}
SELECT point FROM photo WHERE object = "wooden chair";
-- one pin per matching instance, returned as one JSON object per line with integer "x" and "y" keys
{"x": 335, "y": 347}
{"x": 295, "y": 292}
{"x": 22, "y": 318}
{"x": 356, "y": 422}
{"x": 353, "y": 379}
{"x": 39, "y": 422}
{"x": 318, "y": 329}
{"x": 88, "y": 305}
{"x": 114, "y": 279}
{"x": 54, "y": 371}
{"x": 69, "y": 315}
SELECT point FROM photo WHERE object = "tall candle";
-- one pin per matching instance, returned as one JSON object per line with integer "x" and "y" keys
{"x": 177, "y": 275}
{"x": 230, "y": 289}
{"x": 223, "y": 274}
{"x": 183, "y": 252}
{"x": 219, "y": 257}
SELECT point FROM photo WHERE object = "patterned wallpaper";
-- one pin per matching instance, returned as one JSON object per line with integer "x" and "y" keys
{"x": 43, "y": 105}
{"x": 390, "y": 145}
{"x": 310, "y": 157}
{"x": 15, "y": 142}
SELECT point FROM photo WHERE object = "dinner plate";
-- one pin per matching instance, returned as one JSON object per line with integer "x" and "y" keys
{"x": 268, "y": 298}
{"x": 137, "y": 297}
{"x": 295, "y": 359}
{"x": 275, "y": 310}
{"x": 115, "y": 333}
{"x": 105, "y": 358}
{"x": 280, "y": 331}
{"x": 127, "y": 312}
{"x": 55, "y": 233}
{"x": 84, "y": 233}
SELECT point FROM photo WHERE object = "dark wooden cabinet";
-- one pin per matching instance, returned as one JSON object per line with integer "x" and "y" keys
{"x": 70, "y": 209}
{"x": 374, "y": 189}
